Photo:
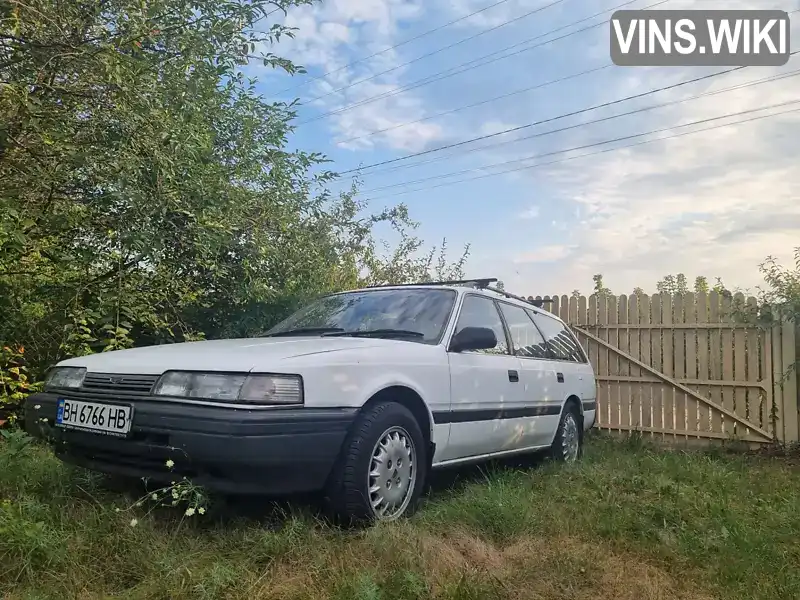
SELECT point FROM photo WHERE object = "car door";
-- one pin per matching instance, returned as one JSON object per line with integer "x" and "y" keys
{"x": 483, "y": 383}
{"x": 543, "y": 394}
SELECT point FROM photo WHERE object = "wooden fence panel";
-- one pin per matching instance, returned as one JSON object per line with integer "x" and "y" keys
{"x": 634, "y": 370}
{"x": 646, "y": 397}
{"x": 703, "y": 357}
{"x": 690, "y": 338}
{"x": 715, "y": 362}
{"x": 739, "y": 365}
{"x": 656, "y": 403}
{"x": 621, "y": 367}
{"x": 667, "y": 366}
{"x": 681, "y": 368}
{"x": 787, "y": 410}
{"x": 726, "y": 351}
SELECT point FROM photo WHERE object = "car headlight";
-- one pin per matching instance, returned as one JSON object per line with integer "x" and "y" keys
{"x": 235, "y": 388}
{"x": 65, "y": 377}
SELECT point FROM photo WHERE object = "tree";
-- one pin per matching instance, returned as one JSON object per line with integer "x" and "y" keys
{"x": 673, "y": 284}
{"x": 677, "y": 284}
{"x": 599, "y": 288}
{"x": 147, "y": 193}
{"x": 700, "y": 285}
{"x": 720, "y": 288}
{"x": 576, "y": 293}
{"x": 782, "y": 296}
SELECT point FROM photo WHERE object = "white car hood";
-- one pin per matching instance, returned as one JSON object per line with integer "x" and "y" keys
{"x": 251, "y": 354}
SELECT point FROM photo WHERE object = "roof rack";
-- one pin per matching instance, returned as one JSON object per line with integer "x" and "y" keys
{"x": 480, "y": 283}
{"x": 536, "y": 303}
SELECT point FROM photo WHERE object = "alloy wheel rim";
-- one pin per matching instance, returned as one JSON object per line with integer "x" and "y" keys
{"x": 392, "y": 474}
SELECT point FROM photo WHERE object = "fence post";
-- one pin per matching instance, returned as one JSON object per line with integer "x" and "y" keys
{"x": 784, "y": 359}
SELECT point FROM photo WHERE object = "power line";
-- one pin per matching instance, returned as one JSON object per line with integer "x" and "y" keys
{"x": 482, "y": 102}
{"x": 403, "y": 43}
{"x": 541, "y": 122}
{"x": 457, "y": 69}
{"x": 434, "y": 52}
{"x": 613, "y": 141}
{"x": 768, "y": 79}
{"x": 469, "y": 141}
{"x": 652, "y": 107}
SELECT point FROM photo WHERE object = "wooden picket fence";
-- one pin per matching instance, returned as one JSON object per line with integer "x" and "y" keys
{"x": 684, "y": 368}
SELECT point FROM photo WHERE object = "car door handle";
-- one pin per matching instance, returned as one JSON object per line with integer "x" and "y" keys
{"x": 560, "y": 377}
{"x": 513, "y": 376}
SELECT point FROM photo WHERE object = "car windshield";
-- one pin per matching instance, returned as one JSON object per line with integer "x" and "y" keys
{"x": 413, "y": 314}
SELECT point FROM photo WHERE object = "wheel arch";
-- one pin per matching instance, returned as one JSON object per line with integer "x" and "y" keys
{"x": 573, "y": 401}
{"x": 410, "y": 399}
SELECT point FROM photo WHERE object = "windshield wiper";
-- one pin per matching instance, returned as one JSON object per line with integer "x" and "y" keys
{"x": 304, "y": 331}
{"x": 377, "y": 333}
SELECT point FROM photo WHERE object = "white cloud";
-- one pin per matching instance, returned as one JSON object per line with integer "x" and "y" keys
{"x": 715, "y": 203}
{"x": 493, "y": 126}
{"x": 331, "y": 38}
{"x": 549, "y": 253}
{"x": 530, "y": 213}
{"x": 352, "y": 127}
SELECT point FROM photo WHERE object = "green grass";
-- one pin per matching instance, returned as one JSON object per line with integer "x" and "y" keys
{"x": 629, "y": 522}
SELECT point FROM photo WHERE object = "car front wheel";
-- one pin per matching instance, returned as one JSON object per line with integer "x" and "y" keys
{"x": 380, "y": 474}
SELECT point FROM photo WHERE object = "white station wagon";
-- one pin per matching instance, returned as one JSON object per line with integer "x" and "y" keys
{"x": 358, "y": 395}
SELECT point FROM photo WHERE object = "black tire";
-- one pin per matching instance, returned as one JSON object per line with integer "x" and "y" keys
{"x": 562, "y": 450}
{"x": 348, "y": 497}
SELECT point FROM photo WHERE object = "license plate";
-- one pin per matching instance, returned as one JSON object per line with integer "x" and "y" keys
{"x": 107, "y": 419}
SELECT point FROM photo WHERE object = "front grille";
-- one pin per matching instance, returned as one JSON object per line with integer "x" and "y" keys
{"x": 111, "y": 383}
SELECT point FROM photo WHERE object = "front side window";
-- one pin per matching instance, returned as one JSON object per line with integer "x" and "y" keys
{"x": 561, "y": 342}
{"x": 525, "y": 338}
{"x": 412, "y": 314}
{"x": 477, "y": 311}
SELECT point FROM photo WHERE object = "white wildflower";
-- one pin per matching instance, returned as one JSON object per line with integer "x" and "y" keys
{"x": 37, "y": 407}
{"x": 201, "y": 510}
{"x": 134, "y": 522}
{"x": 170, "y": 463}
{"x": 189, "y": 511}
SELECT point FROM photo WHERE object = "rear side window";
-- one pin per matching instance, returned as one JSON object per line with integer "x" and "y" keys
{"x": 527, "y": 340}
{"x": 561, "y": 343}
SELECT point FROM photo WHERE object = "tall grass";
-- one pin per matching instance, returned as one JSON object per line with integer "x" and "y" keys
{"x": 628, "y": 522}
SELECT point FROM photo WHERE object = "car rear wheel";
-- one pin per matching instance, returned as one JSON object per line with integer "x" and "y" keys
{"x": 568, "y": 443}
{"x": 380, "y": 473}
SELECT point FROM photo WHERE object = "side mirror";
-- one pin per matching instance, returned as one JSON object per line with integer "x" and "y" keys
{"x": 473, "y": 338}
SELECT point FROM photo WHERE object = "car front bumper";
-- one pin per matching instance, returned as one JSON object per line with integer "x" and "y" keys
{"x": 261, "y": 451}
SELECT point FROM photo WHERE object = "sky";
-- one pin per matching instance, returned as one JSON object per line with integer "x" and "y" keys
{"x": 715, "y": 202}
